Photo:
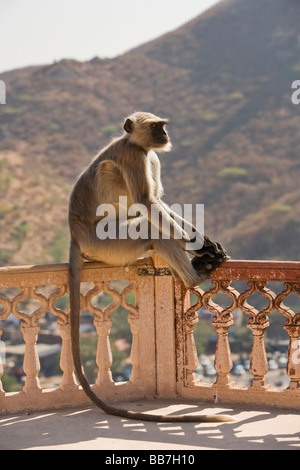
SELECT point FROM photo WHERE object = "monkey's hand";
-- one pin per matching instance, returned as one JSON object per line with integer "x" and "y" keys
{"x": 209, "y": 257}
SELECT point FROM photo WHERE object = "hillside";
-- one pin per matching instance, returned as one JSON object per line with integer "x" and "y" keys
{"x": 224, "y": 79}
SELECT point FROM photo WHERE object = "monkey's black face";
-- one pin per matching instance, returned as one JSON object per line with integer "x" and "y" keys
{"x": 159, "y": 134}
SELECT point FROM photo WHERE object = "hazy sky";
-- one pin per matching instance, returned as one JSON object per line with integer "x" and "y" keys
{"x": 40, "y": 31}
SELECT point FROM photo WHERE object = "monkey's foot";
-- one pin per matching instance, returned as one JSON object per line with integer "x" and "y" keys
{"x": 209, "y": 257}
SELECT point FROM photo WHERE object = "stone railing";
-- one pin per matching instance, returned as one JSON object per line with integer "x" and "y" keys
{"x": 46, "y": 284}
{"x": 163, "y": 352}
{"x": 257, "y": 274}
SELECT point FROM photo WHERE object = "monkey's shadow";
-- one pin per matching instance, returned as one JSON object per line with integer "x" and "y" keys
{"x": 90, "y": 428}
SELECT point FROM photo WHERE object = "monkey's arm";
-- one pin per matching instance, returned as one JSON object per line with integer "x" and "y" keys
{"x": 196, "y": 239}
{"x": 158, "y": 189}
{"x": 188, "y": 228}
{"x": 139, "y": 183}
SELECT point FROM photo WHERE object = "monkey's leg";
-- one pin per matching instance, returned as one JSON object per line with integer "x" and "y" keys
{"x": 115, "y": 251}
{"x": 179, "y": 261}
{"x": 175, "y": 275}
{"x": 124, "y": 252}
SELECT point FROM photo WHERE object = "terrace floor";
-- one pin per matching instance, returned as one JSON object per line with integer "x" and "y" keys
{"x": 88, "y": 428}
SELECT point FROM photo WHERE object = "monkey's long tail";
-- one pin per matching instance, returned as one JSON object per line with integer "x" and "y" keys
{"x": 75, "y": 269}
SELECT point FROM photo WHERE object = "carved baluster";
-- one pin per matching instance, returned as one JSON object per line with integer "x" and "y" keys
{"x": 68, "y": 381}
{"x": 292, "y": 326}
{"x": 31, "y": 363}
{"x": 3, "y": 315}
{"x": 223, "y": 362}
{"x": 135, "y": 349}
{"x": 30, "y": 330}
{"x": 258, "y": 361}
{"x": 222, "y": 321}
{"x": 1, "y": 363}
{"x": 190, "y": 318}
{"x": 293, "y": 364}
{"x": 191, "y": 357}
{"x": 104, "y": 355}
{"x": 258, "y": 322}
{"x": 103, "y": 324}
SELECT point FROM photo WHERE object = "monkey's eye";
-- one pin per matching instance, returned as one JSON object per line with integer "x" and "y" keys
{"x": 154, "y": 125}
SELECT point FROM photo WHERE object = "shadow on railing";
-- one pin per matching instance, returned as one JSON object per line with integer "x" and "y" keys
{"x": 163, "y": 353}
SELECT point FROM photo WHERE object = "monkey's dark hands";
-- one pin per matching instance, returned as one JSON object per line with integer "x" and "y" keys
{"x": 209, "y": 257}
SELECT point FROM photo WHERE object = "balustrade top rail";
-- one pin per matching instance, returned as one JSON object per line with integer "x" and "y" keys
{"x": 246, "y": 270}
{"x": 20, "y": 276}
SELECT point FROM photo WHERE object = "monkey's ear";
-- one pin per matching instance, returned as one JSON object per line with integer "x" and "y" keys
{"x": 128, "y": 125}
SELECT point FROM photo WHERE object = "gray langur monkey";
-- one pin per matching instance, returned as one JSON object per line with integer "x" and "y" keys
{"x": 129, "y": 167}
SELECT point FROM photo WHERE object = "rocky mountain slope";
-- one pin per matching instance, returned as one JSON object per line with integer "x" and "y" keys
{"x": 224, "y": 80}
